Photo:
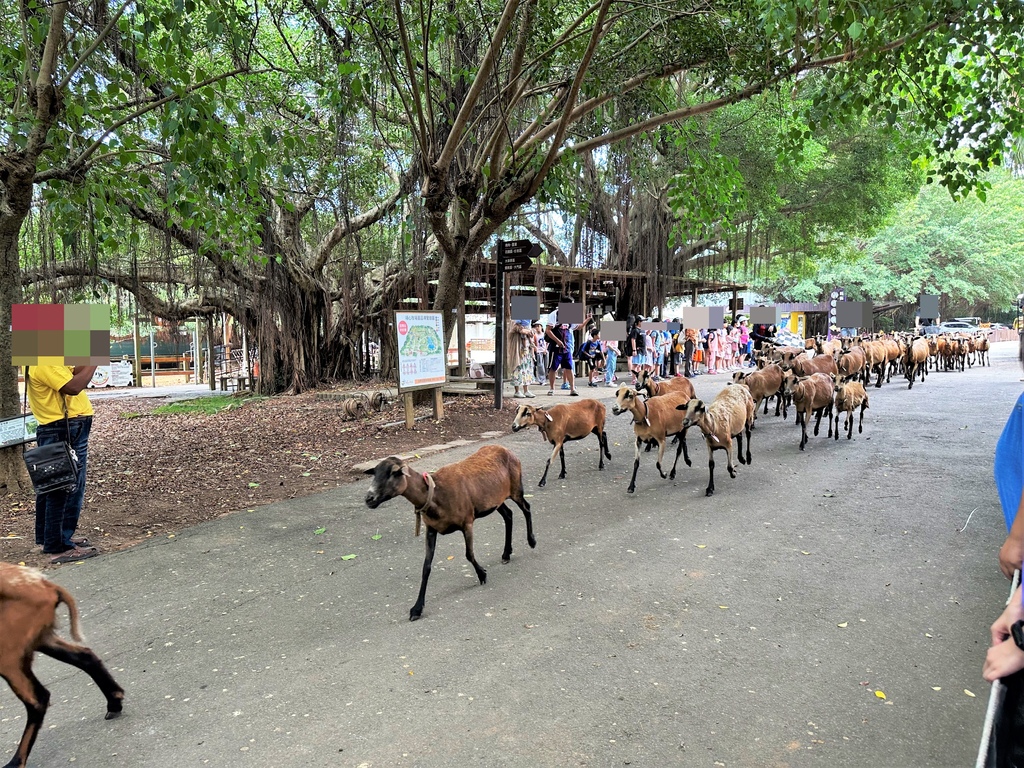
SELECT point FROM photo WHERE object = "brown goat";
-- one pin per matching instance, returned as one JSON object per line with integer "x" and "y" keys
{"x": 763, "y": 385}
{"x": 559, "y": 424}
{"x": 811, "y": 395}
{"x": 875, "y": 357}
{"x": 654, "y": 419}
{"x": 677, "y": 385}
{"x": 728, "y": 417}
{"x": 28, "y": 615}
{"x": 849, "y": 396}
{"x": 916, "y": 360}
{"x": 851, "y": 363}
{"x": 452, "y": 498}
{"x": 805, "y": 366}
{"x": 981, "y": 349}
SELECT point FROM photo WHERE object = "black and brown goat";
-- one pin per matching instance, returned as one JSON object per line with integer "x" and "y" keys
{"x": 677, "y": 385}
{"x": 654, "y": 419}
{"x": 452, "y": 498}
{"x": 849, "y": 396}
{"x": 28, "y": 615}
{"x": 812, "y": 396}
{"x": 560, "y": 424}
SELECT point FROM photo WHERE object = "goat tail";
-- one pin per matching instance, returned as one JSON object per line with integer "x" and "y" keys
{"x": 63, "y": 596}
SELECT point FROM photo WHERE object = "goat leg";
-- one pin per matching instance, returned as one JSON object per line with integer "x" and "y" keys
{"x": 739, "y": 449}
{"x": 431, "y": 544}
{"x": 86, "y": 660}
{"x": 561, "y": 455}
{"x": 467, "y": 534}
{"x": 661, "y": 456}
{"x": 748, "y": 428}
{"x": 710, "y": 490}
{"x": 520, "y": 498}
{"x": 604, "y": 441}
{"x": 679, "y": 449}
{"x": 36, "y": 698}
{"x": 636, "y": 466}
{"x": 506, "y": 515}
{"x": 544, "y": 477}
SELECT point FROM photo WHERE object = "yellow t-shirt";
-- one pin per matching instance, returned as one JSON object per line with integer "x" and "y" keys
{"x": 44, "y": 397}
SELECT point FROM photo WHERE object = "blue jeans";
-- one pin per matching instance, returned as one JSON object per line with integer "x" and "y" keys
{"x": 57, "y": 513}
{"x": 609, "y": 368}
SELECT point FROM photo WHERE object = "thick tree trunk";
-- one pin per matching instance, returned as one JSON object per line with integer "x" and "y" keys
{"x": 15, "y": 198}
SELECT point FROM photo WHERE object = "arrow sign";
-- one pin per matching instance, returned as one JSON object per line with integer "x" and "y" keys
{"x": 516, "y": 254}
{"x": 514, "y": 262}
{"x": 525, "y": 248}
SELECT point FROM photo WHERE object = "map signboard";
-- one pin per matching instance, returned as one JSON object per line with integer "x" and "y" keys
{"x": 421, "y": 353}
{"x": 18, "y": 430}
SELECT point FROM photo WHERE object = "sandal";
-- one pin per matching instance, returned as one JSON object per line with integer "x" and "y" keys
{"x": 73, "y": 556}
{"x": 80, "y": 541}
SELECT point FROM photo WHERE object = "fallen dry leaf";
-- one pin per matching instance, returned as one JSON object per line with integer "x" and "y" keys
{"x": 880, "y": 695}
{"x": 844, "y": 625}
{"x": 965, "y": 690}
{"x": 936, "y": 687}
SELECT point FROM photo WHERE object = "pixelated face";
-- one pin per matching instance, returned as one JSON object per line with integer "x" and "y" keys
{"x": 389, "y": 480}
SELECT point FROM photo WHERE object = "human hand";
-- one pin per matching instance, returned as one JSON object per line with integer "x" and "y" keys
{"x": 1011, "y": 554}
{"x": 1013, "y": 613}
{"x": 1002, "y": 660}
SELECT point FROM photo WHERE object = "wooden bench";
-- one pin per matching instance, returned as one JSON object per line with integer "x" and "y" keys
{"x": 233, "y": 383}
{"x": 485, "y": 383}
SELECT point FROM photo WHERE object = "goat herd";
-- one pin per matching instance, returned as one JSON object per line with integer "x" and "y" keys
{"x": 826, "y": 378}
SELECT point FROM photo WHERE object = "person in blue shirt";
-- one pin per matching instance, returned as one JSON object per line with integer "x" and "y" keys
{"x": 1006, "y": 655}
{"x": 592, "y": 354}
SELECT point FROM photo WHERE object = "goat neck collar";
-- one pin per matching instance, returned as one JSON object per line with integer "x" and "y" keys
{"x": 646, "y": 420}
{"x": 430, "y": 500}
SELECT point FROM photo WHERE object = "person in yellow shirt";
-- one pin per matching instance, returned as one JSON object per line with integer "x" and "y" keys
{"x": 56, "y": 393}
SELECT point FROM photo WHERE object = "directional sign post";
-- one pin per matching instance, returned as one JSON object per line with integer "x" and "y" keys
{"x": 512, "y": 256}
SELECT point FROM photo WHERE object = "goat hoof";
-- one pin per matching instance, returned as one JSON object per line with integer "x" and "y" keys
{"x": 414, "y": 616}
{"x": 672, "y": 475}
{"x": 111, "y": 714}
{"x": 532, "y": 542}
{"x": 562, "y": 476}
{"x": 688, "y": 462}
{"x": 542, "y": 483}
{"x": 506, "y": 558}
{"x": 630, "y": 489}
{"x": 709, "y": 492}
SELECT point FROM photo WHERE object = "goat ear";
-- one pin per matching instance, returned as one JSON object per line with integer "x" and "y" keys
{"x": 404, "y": 469}
{"x": 370, "y": 472}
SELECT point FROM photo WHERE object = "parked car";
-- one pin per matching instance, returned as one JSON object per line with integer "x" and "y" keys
{"x": 957, "y": 326}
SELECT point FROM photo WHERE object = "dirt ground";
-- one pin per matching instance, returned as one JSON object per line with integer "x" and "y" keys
{"x": 151, "y": 475}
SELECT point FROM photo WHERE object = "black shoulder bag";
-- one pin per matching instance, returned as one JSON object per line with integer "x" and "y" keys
{"x": 52, "y": 467}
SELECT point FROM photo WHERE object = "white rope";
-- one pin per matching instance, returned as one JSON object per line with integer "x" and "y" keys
{"x": 995, "y": 696}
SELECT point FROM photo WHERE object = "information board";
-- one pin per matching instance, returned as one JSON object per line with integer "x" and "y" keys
{"x": 18, "y": 430}
{"x": 118, "y": 374}
{"x": 421, "y": 354}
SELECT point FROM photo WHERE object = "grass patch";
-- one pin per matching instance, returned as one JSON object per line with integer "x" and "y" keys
{"x": 204, "y": 405}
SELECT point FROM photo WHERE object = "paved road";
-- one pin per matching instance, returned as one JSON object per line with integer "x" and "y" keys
{"x": 660, "y": 629}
